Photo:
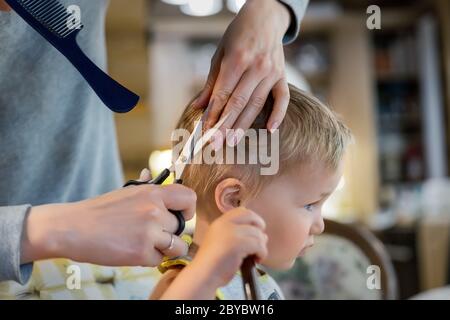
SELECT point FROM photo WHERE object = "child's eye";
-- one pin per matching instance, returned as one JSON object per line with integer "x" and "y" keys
{"x": 309, "y": 207}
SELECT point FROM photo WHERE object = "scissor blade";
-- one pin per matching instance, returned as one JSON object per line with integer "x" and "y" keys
{"x": 187, "y": 152}
{"x": 188, "y": 149}
{"x": 208, "y": 135}
{"x": 193, "y": 147}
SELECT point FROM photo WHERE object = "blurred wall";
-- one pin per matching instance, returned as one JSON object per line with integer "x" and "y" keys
{"x": 128, "y": 63}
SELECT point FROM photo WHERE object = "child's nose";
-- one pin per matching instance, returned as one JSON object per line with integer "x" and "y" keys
{"x": 318, "y": 226}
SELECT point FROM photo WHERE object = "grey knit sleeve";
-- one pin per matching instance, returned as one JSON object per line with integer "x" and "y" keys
{"x": 11, "y": 227}
{"x": 297, "y": 9}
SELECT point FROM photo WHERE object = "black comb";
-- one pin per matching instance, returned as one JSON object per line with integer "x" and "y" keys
{"x": 52, "y": 20}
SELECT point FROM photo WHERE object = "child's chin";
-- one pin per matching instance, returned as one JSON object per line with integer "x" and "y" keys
{"x": 279, "y": 265}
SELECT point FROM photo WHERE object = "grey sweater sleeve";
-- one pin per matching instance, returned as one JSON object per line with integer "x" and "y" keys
{"x": 297, "y": 9}
{"x": 11, "y": 226}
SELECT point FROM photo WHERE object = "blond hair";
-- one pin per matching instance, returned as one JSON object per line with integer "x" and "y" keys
{"x": 309, "y": 133}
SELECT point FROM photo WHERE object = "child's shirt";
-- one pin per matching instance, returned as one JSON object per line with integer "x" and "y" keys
{"x": 267, "y": 288}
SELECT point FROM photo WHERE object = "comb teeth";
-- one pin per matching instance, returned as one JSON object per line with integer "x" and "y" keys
{"x": 52, "y": 14}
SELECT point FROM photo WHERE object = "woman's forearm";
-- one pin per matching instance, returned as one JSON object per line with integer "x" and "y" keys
{"x": 42, "y": 237}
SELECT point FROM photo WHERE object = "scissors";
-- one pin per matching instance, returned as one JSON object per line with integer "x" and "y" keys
{"x": 193, "y": 146}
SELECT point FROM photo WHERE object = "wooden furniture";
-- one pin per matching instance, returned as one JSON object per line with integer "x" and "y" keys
{"x": 373, "y": 248}
{"x": 401, "y": 244}
{"x": 340, "y": 266}
{"x": 433, "y": 251}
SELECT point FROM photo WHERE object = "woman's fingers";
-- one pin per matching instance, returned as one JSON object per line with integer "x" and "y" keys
{"x": 203, "y": 99}
{"x": 170, "y": 245}
{"x": 231, "y": 71}
{"x": 180, "y": 198}
{"x": 281, "y": 101}
{"x": 239, "y": 103}
{"x": 250, "y": 51}
{"x": 254, "y": 107}
{"x": 155, "y": 257}
{"x": 167, "y": 221}
{"x": 242, "y": 91}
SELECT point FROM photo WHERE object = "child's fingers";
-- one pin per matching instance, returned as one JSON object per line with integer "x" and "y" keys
{"x": 251, "y": 231}
{"x": 255, "y": 245}
{"x": 245, "y": 216}
{"x": 256, "y": 239}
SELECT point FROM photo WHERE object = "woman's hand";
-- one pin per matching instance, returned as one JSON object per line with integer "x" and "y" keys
{"x": 248, "y": 65}
{"x": 126, "y": 227}
{"x": 4, "y": 6}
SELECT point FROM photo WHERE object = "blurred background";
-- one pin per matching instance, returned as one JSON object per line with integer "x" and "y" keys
{"x": 391, "y": 86}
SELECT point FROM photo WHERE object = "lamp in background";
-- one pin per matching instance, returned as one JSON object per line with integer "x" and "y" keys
{"x": 158, "y": 161}
{"x": 235, "y": 5}
{"x": 334, "y": 207}
{"x": 175, "y": 2}
{"x": 201, "y": 8}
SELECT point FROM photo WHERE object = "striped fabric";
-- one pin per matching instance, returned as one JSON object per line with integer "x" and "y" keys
{"x": 53, "y": 280}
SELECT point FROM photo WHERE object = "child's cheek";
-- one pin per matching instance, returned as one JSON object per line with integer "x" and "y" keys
{"x": 297, "y": 233}
{"x": 286, "y": 239}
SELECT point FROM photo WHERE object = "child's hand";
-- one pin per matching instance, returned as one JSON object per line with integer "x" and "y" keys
{"x": 230, "y": 239}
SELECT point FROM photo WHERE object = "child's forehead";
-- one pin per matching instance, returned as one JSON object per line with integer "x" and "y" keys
{"x": 312, "y": 178}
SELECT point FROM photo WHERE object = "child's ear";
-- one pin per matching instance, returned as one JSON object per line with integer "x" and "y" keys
{"x": 228, "y": 194}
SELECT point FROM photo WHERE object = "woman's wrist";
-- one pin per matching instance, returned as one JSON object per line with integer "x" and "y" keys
{"x": 278, "y": 10}
{"x": 43, "y": 234}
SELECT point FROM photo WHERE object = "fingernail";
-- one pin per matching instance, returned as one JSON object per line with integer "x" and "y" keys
{"x": 208, "y": 124}
{"x": 145, "y": 174}
{"x": 274, "y": 127}
{"x": 234, "y": 137}
{"x": 230, "y": 138}
{"x": 210, "y": 104}
{"x": 239, "y": 135}
{"x": 217, "y": 142}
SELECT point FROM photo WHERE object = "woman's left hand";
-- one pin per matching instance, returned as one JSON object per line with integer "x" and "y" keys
{"x": 248, "y": 65}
